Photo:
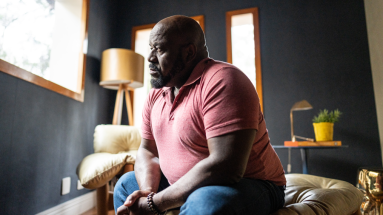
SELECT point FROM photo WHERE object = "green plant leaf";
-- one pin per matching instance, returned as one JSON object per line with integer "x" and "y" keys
{"x": 326, "y": 116}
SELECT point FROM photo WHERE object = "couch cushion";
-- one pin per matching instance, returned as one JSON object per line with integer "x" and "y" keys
{"x": 116, "y": 138}
{"x": 97, "y": 169}
{"x": 313, "y": 195}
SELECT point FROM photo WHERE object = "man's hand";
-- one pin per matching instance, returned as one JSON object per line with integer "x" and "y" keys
{"x": 134, "y": 196}
{"x": 123, "y": 210}
{"x": 140, "y": 207}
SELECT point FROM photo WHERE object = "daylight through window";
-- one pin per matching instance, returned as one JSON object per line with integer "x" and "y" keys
{"x": 243, "y": 47}
{"x": 45, "y": 37}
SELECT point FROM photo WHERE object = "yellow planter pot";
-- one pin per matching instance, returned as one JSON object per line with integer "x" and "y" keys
{"x": 323, "y": 131}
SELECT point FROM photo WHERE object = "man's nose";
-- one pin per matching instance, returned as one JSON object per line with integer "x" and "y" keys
{"x": 152, "y": 58}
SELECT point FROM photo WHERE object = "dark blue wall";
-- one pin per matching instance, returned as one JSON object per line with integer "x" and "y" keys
{"x": 44, "y": 135}
{"x": 315, "y": 50}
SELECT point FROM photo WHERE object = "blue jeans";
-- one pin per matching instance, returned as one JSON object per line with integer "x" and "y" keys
{"x": 248, "y": 196}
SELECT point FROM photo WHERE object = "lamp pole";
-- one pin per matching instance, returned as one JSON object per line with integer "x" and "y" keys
{"x": 292, "y": 126}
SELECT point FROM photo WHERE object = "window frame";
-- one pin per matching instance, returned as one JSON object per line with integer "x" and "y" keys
{"x": 258, "y": 70}
{"x": 25, "y": 75}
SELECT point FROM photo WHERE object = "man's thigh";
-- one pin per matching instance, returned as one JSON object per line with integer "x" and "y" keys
{"x": 245, "y": 197}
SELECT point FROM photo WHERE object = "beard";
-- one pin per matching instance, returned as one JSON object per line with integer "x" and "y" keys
{"x": 162, "y": 80}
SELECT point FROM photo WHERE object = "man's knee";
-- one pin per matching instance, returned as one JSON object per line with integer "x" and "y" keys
{"x": 208, "y": 200}
{"x": 125, "y": 179}
{"x": 124, "y": 186}
{"x": 242, "y": 198}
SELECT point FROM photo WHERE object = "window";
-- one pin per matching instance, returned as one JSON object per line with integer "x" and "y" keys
{"x": 43, "y": 42}
{"x": 243, "y": 45}
{"x": 140, "y": 44}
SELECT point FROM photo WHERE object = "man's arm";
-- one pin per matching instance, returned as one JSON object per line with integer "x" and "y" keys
{"x": 225, "y": 165}
{"x": 147, "y": 170}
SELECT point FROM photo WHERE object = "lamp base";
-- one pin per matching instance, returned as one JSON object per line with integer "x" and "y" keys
{"x": 129, "y": 93}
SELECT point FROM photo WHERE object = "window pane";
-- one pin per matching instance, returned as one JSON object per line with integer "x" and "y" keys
{"x": 26, "y": 29}
{"x": 242, "y": 40}
{"x": 43, "y": 37}
{"x": 142, "y": 47}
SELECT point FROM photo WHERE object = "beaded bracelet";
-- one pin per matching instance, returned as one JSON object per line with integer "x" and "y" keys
{"x": 151, "y": 204}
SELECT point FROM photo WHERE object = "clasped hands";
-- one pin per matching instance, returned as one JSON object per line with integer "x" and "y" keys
{"x": 135, "y": 204}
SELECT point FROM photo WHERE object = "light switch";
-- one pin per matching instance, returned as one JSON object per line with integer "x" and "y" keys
{"x": 65, "y": 186}
{"x": 79, "y": 186}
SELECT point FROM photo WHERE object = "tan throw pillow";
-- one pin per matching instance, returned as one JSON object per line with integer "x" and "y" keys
{"x": 116, "y": 138}
{"x": 97, "y": 169}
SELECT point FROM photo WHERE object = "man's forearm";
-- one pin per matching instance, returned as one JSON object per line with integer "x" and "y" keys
{"x": 205, "y": 173}
{"x": 147, "y": 170}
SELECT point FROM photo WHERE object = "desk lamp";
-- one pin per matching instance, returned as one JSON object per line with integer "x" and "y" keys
{"x": 302, "y": 105}
{"x": 122, "y": 70}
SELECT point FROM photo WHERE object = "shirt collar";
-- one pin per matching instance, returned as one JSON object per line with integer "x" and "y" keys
{"x": 197, "y": 71}
{"x": 194, "y": 76}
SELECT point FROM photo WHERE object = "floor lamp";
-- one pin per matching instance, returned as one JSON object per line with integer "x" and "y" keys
{"x": 122, "y": 70}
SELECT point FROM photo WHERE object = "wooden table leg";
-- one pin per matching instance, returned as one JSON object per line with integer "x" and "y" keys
{"x": 304, "y": 155}
{"x": 102, "y": 200}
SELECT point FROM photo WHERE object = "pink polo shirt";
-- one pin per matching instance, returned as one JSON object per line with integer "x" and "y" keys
{"x": 216, "y": 99}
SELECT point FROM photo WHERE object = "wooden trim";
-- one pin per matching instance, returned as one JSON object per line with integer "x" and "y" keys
{"x": 199, "y": 18}
{"x": 257, "y": 46}
{"x": 134, "y": 33}
{"x": 228, "y": 38}
{"x": 18, "y": 72}
{"x": 82, "y": 55}
{"x": 25, "y": 75}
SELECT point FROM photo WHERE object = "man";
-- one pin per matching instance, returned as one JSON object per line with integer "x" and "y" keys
{"x": 205, "y": 147}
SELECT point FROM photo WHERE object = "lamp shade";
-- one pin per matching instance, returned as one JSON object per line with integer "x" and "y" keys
{"x": 302, "y": 105}
{"x": 121, "y": 66}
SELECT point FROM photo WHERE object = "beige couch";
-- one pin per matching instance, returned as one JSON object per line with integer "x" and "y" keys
{"x": 314, "y": 195}
{"x": 309, "y": 195}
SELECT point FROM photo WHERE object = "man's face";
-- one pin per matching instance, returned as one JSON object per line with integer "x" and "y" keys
{"x": 165, "y": 59}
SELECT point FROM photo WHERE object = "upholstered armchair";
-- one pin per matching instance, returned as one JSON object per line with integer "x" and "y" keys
{"x": 115, "y": 149}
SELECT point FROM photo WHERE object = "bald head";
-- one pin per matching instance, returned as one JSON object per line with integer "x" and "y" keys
{"x": 184, "y": 30}
{"x": 177, "y": 45}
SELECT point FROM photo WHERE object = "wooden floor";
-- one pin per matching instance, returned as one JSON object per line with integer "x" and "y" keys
{"x": 93, "y": 211}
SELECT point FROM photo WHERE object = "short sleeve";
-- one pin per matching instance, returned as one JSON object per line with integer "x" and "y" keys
{"x": 230, "y": 102}
{"x": 146, "y": 128}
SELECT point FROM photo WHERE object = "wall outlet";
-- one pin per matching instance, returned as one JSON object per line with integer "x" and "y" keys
{"x": 79, "y": 186}
{"x": 65, "y": 186}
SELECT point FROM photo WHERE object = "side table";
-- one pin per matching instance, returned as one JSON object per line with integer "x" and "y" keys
{"x": 305, "y": 152}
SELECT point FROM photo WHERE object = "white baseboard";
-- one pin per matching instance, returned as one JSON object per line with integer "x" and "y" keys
{"x": 75, "y": 206}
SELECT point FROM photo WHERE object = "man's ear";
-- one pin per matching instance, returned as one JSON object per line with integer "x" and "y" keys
{"x": 190, "y": 52}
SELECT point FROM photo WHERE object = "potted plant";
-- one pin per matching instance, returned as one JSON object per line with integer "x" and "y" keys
{"x": 324, "y": 124}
